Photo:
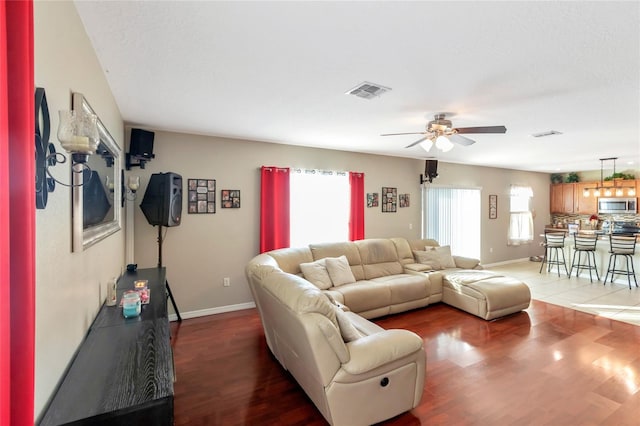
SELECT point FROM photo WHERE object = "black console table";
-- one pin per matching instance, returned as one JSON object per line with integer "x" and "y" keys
{"x": 122, "y": 373}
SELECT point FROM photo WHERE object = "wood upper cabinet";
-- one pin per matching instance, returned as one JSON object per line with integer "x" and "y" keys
{"x": 556, "y": 198}
{"x": 569, "y": 197}
{"x": 585, "y": 205}
{"x": 562, "y": 197}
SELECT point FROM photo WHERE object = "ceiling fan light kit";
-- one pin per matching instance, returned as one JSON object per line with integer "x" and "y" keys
{"x": 439, "y": 132}
{"x": 443, "y": 144}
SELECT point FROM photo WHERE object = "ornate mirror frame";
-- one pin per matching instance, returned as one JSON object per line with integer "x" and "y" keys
{"x": 86, "y": 237}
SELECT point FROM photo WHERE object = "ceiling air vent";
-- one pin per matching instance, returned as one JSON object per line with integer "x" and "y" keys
{"x": 368, "y": 90}
{"x": 547, "y": 133}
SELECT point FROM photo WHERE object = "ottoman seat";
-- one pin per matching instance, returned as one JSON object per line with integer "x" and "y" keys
{"x": 484, "y": 293}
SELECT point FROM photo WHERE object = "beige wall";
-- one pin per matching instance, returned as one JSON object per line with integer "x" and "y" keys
{"x": 205, "y": 248}
{"x": 70, "y": 287}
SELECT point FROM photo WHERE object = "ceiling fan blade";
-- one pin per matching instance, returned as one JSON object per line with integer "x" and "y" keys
{"x": 461, "y": 140}
{"x": 416, "y": 142}
{"x": 484, "y": 129}
{"x": 410, "y": 133}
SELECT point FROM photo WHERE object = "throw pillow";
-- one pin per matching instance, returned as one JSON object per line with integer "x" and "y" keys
{"x": 428, "y": 258}
{"x": 446, "y": 260}
{"x": 316, "y": 273}
{"x": 339, "y": 270}
{"x": 347, "y": 330}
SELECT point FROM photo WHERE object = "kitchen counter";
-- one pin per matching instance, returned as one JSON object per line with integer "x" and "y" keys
{"x": 602, "y": 235}
{"x": 601, "y": 255}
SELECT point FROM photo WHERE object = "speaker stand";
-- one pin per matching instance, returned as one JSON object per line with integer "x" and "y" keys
{"x": 166, "y": 282}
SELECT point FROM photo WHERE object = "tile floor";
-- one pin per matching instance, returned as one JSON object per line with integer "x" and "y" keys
{"x": 613, "y": 301}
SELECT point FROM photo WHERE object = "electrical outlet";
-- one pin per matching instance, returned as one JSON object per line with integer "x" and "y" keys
{"x": 226, "y": 282}
{"x": 490, "y": 249}
{"x": 410, "y": 226}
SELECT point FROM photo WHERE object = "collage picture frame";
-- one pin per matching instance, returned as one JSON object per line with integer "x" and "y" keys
{"x": 201, "y": 195}
{"x": 230, "y": 198}
{"x": 389, "y": 199}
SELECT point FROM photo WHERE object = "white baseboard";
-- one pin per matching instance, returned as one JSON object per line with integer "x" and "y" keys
{"x": 213, "y": 311}
{"x": 506, "y": 262}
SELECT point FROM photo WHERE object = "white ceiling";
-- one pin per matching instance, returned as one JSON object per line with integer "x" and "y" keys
{"x": 278, "y": 72}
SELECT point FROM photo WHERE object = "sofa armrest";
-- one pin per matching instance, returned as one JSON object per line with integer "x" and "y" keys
{"x": 467, "y": 262}
{"x": 370, "y": 352}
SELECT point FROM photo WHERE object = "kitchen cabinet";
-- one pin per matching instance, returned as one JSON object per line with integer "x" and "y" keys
{"x": 569, "y": 197}
{"x": 585, "y": 205}
{"x": 562, "y": 197}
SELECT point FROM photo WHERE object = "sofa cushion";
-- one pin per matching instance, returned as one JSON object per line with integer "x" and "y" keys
{"x": 364, "y": 296}
{"x": 339, "y": 271}
{"x": 346, "y": 248}
{"x": 444, "y": 253}
{"x": 430, "y": 259}
{"x": 405, "y": 287}
{"x": 316, "y": 273}
{"x": 379, "y": 258}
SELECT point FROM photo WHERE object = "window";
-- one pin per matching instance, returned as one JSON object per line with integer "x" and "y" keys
{"x": 521, "y": 219}
{"x": 451, "y": 216}
{"x": 320, "y": 202}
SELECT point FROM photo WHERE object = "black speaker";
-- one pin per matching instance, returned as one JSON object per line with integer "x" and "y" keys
{"x": 431, "y": 169}
{"x": 162, "y": 202}
{"x": 141, "y": 143}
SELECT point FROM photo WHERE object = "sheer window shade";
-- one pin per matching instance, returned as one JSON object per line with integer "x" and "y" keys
{"x": 521, "y": 219}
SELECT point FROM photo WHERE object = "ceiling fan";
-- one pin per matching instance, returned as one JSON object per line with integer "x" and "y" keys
{"x": 439, "y": 132}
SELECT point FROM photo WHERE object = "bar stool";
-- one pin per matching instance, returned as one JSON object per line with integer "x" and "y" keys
{"x": 625, "y": 246}
{"x": 554, "y": 244}
{"x": 584, "y": 244}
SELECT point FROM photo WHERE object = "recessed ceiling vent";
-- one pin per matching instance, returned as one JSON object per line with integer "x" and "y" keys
{"x": 368, "y": 90}
{"x": 547, "y": 133}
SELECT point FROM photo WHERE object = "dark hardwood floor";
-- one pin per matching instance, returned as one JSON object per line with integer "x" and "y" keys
{"x": 548, "y": 365}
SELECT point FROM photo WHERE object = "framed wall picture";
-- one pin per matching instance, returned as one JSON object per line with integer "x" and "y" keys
{"x": 404, "y": 200}
{"x": 201, "y": 196}
{"x": 389, "y": 199}
{"x": 372, "y": 199}
{"x": 493, "y": 206}
{"x": 230, "y": 198}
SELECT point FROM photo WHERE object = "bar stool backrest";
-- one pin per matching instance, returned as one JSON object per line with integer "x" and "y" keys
{"x": 621, "y": 244}
{"x": 554, "y": 239}
{"x": 585, "y": 242}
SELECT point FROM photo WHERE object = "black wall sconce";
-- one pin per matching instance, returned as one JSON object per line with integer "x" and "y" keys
{"x": 140, "y": 148}
{"x": 78, "y": 135}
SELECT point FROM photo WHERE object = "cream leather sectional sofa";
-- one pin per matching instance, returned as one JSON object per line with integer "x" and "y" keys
{"x": 316, "y": 324}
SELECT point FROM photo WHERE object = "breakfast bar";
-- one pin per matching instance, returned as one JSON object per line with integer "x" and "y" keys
{"x": 602, "y": 254}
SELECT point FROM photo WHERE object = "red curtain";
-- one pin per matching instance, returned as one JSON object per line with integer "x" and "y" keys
{"x": 356, "y": 214}
{"x": 17, "y": 213}
{"x": 274, "y": 208}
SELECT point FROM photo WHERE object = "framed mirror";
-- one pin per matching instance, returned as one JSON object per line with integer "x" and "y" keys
{"x": 97, "y": 191}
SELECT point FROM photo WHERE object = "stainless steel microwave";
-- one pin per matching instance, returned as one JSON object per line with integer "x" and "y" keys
{"x": 617, "y": 205}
